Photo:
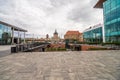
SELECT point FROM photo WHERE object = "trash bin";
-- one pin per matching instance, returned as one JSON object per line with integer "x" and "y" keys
{"x": 14, "y": 49}
{"x": 43, "y": 49}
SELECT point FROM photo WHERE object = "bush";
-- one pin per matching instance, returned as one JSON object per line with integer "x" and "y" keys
{"x": 111, "y": 43}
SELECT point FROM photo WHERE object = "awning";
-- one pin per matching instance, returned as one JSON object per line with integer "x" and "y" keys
{"x": 12, "y": 26}
{"x": 99, "y": 4}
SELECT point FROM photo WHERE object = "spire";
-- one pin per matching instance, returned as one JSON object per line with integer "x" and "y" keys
{"x": 55, "y": 32}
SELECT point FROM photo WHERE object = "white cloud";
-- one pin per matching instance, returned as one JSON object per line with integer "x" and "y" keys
{"x": 44, "y": 16}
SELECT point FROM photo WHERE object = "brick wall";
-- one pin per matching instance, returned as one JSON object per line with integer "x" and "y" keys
{"x": 59, "y": 45}
{"x": 86, "y": 47}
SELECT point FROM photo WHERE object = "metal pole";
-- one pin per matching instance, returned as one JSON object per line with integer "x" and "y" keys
{"x": 103, "y": 33}
{"x": 24, "y": 37}
{"x": 18, "y": 36}
{"x": 12, "y": 35}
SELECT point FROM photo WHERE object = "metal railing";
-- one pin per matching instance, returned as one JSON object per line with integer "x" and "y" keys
{"x": 27, "y": 47}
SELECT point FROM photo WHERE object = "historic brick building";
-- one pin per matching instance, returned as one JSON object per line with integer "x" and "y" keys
{"x": 73, "y": 36}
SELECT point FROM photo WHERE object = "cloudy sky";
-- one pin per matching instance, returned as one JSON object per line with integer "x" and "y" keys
{"x": 44, "y": 16}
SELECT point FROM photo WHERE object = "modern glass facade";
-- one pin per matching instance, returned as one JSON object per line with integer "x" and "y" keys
{"x": 5, "y": 35}
{"x": 18, "y": 34}
{"x": 111, "y": 10}
{"x": 94, "y": 35}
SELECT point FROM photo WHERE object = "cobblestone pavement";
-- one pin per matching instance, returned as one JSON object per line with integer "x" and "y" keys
{"x": 87, "y": 65}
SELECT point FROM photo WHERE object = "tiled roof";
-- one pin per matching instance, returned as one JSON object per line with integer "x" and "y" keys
{"x": 72, "y": 32}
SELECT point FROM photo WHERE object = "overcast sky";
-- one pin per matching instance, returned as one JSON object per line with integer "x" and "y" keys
{"x": 44, "y": 16}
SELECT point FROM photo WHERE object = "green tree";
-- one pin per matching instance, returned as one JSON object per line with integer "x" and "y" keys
{"x": 5, "y": 37}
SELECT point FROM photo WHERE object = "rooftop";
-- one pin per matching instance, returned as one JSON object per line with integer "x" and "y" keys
{"x": 12, "y": 26}
{"x": 72, "y": 32}
{"x": 99, "y": 4}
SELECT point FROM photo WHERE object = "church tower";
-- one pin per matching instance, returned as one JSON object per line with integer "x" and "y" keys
{"x": 55, "y": 35}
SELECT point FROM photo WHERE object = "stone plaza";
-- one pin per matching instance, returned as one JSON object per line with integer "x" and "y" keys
{"x": 69, "y": 65}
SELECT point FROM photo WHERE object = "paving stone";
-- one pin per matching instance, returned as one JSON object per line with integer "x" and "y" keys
{"x": 86, "y": 65}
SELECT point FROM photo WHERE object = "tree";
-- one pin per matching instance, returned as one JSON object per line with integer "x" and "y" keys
{"x": 5, "y": 37}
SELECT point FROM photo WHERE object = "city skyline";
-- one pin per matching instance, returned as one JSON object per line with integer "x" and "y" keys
{"x": 43, "y": 17}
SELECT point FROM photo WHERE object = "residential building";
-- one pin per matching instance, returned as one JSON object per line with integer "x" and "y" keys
{"x": 81, "y": 37}
{"x": 73, "y": 36}
{"x": 30, "y": 40}
{"x": 10, "y": 34}
{"x": 93, "y": 34}
{"x": 111, "y": 11}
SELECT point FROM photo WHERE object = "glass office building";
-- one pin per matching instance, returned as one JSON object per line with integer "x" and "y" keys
{"x": 93, "y": 34}
{"x": 5, "y": 34}
{"x": 111, "y": 10}
{"x": 10, "y": 34}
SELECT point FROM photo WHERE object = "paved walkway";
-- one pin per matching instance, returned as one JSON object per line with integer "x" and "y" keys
{"x": 5, "y": 50}
{"x": 92, "y": 65}
{"x": 5, "y": 47}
